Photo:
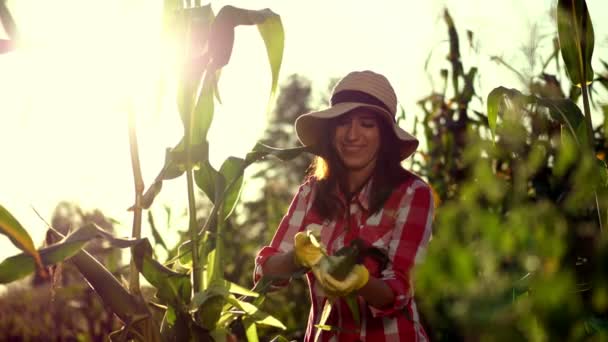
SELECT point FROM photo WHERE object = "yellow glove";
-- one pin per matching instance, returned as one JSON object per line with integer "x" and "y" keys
{"x": 305, "y": 252}
{"x": 356, "y": 279}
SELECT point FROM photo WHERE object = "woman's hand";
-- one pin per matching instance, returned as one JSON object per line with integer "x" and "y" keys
{"x": 356, "y": 279}
{"x": 306, "y": 253}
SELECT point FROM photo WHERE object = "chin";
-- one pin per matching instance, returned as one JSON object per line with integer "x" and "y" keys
{"x": 355, "y": 165}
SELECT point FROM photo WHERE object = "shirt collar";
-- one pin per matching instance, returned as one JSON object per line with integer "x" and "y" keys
{"x": 362, "y": 197}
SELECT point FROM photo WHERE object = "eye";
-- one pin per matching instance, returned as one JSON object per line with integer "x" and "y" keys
{"x": 368, "y": 122}
{"x": 342, "y": 121}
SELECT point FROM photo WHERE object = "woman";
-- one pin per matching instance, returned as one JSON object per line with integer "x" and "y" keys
{"x": 357, "y": 191}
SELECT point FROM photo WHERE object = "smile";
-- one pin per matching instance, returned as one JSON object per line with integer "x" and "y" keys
{"x": 352, "y": 148}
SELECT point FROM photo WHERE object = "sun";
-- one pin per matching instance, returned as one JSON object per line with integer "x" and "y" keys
{"x": 67, "y": 91}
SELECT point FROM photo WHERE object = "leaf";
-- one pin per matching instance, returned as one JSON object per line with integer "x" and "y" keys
{"x": 199, "y": 153}
{"x": 221, "y": 39}
{"x": 184, "y": 252}
{"x": 254, "y": 312}
{"x": 563, "y": 111}
{"x": 232, "y": 172}
{"x": 194, "y": 28}
{"x": 238, "y": 289}
{"x": 260, "y": 151}
{"x": 208, "y": 179}
{"x": 598, "y": 323}
{"x": 568, "y": 114}
{"x": 576, "y": 39}
{"x": 215, "y": 272}
{"x": 273, "y": 35}
{"x": 495, "y": 98}
{"x": 10, "y": 227}
{"x": 208, "y": 305}
{"x": 172, "y": 169}
{"x": 251, "y": 330}
{"x": 203, "y": 110}
{"x": 353, "y": 306}
{"x": 175, "y": 160}
{"x": 158, "y": 239}
{"x": 174, "y": 288}
{"x": 150, "y": 194}
{"x": 7, "y": 22}
{"x": 111, "y": 291}
{"x": 21, "y": 265}
{"x": 324, "y": 316}
{"x": 200, "y": 298}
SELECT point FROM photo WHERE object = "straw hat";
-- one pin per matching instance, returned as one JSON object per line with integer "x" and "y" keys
{"x": 359, "y": 89}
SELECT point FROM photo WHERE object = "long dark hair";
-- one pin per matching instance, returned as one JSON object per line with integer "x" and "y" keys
{"x": 328, "y": 170}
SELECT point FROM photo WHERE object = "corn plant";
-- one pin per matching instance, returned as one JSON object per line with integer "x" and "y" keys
{"x": 518, "y": 249}
{"x": 576, "y": 44}
{"x": 198, "y": 303}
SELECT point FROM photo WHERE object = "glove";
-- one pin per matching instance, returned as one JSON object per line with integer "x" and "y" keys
{"x": 356, "y": 279}
{"x": 305, "y": 252}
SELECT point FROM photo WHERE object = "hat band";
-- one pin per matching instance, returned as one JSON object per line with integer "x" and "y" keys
{"x": 358, "y": 96}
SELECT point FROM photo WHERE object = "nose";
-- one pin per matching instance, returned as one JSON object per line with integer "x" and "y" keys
{"x": 352, "y": 132}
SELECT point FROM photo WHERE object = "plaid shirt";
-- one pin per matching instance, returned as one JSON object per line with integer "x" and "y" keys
{"x": 401, "y": 229}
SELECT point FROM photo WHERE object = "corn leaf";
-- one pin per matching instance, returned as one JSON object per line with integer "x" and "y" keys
{"x": 568, "y": 114}
{"x": 111, "y": 291}
{"x": 261, "y": 151}
{"x": 7, "y": 22}
{"x": 208, "y": 179}
{"x": 192, "y": 27}
{"x": 324, "y": 316}
{"x": 158, "y": 239}
{"x": 563, "y": 111}
{"x": 21, "y": 265}
{"x": 173, "y": 287}
{"x": 207, "y": 306}
{"x": 251, "y": 330}
{"x": 232, "y": 172}
{"x": 10, "y": 227}
{"x": 576, "y": 39}
{"x": 273, "y": 35}
{"x": 215, "y": 273}
{"x": 200, "y": 298}
{"x": 353, "y": 306}
{"x": 495, "y": 99}
{"x": 174, "y": 167}
{"x": 255, "y": 313}
{"x": 238, "y": 289}
{"x": 203, "y": 110}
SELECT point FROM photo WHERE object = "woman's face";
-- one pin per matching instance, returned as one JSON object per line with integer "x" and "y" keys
{"x": 357, "y": 140}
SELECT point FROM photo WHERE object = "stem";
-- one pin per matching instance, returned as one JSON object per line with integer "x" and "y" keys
{"x": 188, "y": 120}
{"x": 139, "y": 188}
{"x": 194, "y": 237}
{"x": 587, "y": 109}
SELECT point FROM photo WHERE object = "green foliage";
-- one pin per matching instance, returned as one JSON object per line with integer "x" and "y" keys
{"x": 207, "y": 45}
{"x": 10, "y": 227}
{"x": 576, "y": 39}
{"x": 18, "y": 266}
{"x": 518, "y": 244}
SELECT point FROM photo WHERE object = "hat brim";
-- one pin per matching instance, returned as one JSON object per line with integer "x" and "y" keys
{"x": 309, "y": 126}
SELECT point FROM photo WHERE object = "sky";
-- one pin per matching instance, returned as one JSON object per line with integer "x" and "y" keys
{"x": 82, "y": 65}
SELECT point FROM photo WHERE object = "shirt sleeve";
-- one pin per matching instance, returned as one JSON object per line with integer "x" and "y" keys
{"x": 411, "y": 234}
{"x": 282, "y": 241}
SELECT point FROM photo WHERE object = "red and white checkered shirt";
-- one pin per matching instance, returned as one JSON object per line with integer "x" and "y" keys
{"x": 401, "y": 229}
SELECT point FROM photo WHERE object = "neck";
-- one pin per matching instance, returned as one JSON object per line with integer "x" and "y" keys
{"x": 357, "y": 178}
